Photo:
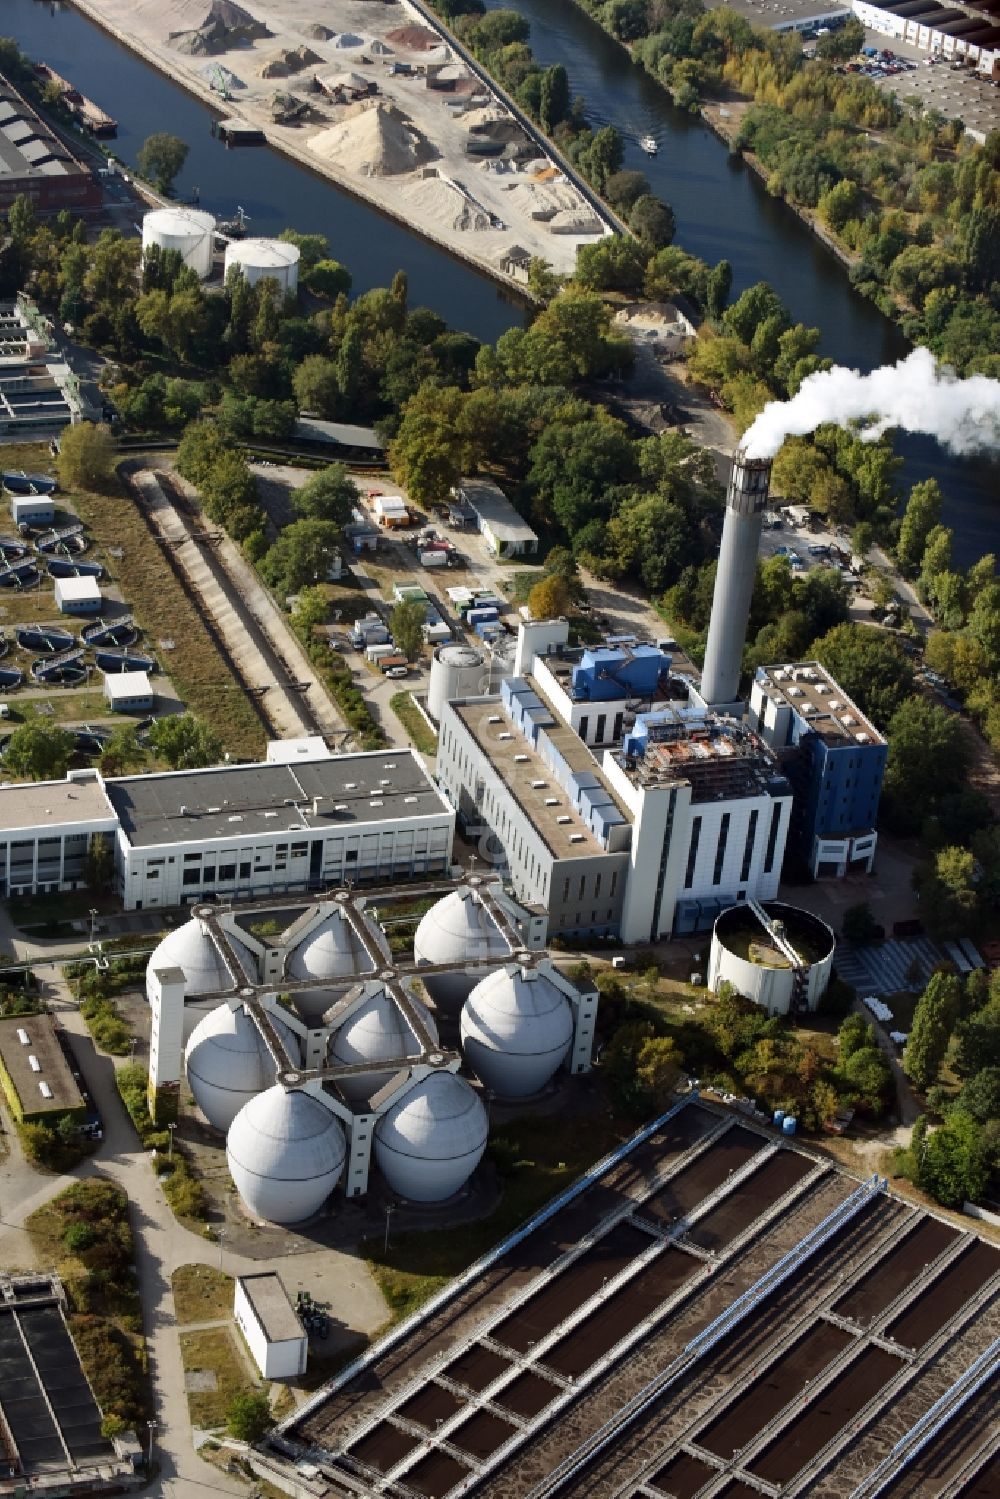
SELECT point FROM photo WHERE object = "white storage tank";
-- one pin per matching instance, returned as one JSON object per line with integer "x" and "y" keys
{"x": 517, "y": 1029}
{"x": 286, "y": 1152}
{"x": 186, "y": 230}
{"x": 265, "y": 260}
{"x": 375, "y": 1031}
{"x": 428, "y": 1145}
{"x": 228, "y": 1063}
{"x": 784, "y": 967}
{"x": 329, "y": 951}
{"x": 457, "y": 930}
{"x": 456, "y": 671}
{"x": 192, "y": 949}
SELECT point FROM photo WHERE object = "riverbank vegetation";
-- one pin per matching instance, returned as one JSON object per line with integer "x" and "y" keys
{"x": 913, "y": 202}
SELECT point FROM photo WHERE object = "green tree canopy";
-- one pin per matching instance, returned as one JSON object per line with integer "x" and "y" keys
{"x": 185, "y": 742}
{"x": 871, "y": 668}
{"x": 302, "y": 554}
{"x": 928, "y": 758}
{"x": 161, "y": 159}
{"x": 86, "y": 458}
{"x": 407, "y": 625}
{"x": 933, "y": 1022}
{"x": 329, "y": 494}
{"x": 248, "y": 1416}
{"x": 39, "y": 751}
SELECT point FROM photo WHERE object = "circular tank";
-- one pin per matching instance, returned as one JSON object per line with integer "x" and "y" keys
{"x": 747, "y": 956}
{"x": 457, "y": 929}
{"x": 186, "y": 230}
{"x": 375, "y": 1031}
{"x": 456, "y": 671}
{"x": 191, "y": 949}
{"x": 517, "y": 1029}
{"x": 265, "y": 259}
{"x": 286, "y": 1152}
{"x": 428, "y": 1145}
{"x": 328, "y": 952}
{"x": 228, "y": 1063}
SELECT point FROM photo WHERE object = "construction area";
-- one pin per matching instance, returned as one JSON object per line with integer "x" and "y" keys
{"x": 710, "y": 1312}
{"x": 377, "y": 98}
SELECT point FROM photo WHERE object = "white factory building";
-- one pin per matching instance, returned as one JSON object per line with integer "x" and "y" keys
{"x": 644, "y": 839}
{"x": 232, "y": 832}
{"x": 263, "y": 1312}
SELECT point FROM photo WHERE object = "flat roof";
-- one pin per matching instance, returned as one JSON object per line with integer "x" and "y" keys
{"x": 766, "y": 14}
{"x": 245, "y": 801}
{"x": 128, "y": 684}
{"x": 32, "y": 806}
{"x": 78, "y": 588}
{"x": 809, "y": 689}
{"x": 313, "y": 429}
{"x": 53, "y": 1068}
{"x": 272, "y": 1306}
{"x": 521, "y": 767}
{"x": 20, "y": 127}
{"x": 492, "y": 506}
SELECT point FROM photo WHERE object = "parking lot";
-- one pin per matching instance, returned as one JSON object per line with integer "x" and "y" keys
{"x": 957, "y": 92}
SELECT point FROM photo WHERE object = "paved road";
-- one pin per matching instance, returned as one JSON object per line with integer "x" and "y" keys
{"x": 161, "y": 1245}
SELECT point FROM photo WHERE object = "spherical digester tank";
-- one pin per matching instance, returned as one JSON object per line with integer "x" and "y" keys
{"x": 286, "y": 1152}
{"x": 189, "y": 231}
{"x": 227, "y": 1062}
{"x": 428, "y": 1145}
{"x": 377, "y": 1030}
{"x": 456, "y": 671}
{"x": 265, "y": 260}
{"x": 457, "y": 930}
{"x": 517, "y": 1028}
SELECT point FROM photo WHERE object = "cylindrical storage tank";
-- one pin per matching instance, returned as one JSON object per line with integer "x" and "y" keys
{"x": 186, "y": 230}
{"x": 428, "y": 1145}
{"x": 517, "y": 1028}
{"x": 457, "y": 930}
{"x": 377, "y": 1030}
{"x": 286, "y": 1152}
{"x": 265, "y": 260}
{"x": 228, "y": 1063}
{"x": 456, "y": 671}
{"x": 758, "y": 963}
{"x": 788, "y": 1126}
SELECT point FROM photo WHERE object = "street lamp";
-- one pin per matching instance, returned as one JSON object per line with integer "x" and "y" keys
{"x": 222, "y": 1235}
{"x": 389, "y": 1210}
{"x": 149, "y": 1455}
{"x": 93, "y": 924}
{"x": 170, "y": 1153}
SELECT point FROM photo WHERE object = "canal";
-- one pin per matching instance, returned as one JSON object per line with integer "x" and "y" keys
{"x": 722, "y": 208}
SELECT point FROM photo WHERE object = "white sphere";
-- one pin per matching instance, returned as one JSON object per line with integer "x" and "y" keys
{"x": 286, "y": 1152}
{"x": 428, "y": 1145}
{"x": 191, "y": 949}
{"x": 516, "y": 1029}
{"x": 228, "y": 1063}
{"x": 377, "y": 1030}
{"x": 457, "y": 930}
{"x": 328, "y": 952}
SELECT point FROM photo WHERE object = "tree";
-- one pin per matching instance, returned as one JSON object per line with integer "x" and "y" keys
{"x": 248, "y": 1416}
{"x": 431, "y": 449}
{"x": 922, "y": 513}
{"x": 329, "y": 494}
{"x": 979, "y": 1039}
{"x": 933, "y": 1022}
{"x": 549, "y": 598}
{"x": 981, "y": 1095}
{"x": 843, "y": 43}
{"x": 317, "y": 386}
{"x": 100, "y": 866}
{"x": 652, "y": 222}
{"x": 161, "y": 159}
{"x": 199, "y": 449}
{"x": 86, "y": 458}
{"x": 717, "y": 288}
{"x": 122, "y": 752}
{"x": 658, "y": 1066}
{"x": 39, "y": 751}
{"x": 928, "y": 758}
{"x": 953, "y": 1167}
{"x": 328, "y": 278}
{"x": 407, "y": 625}
{"x": 185, "y": 742}
{"x": 859, "y": 925}
{"x": 870, "y": 667}
{"x": 948, "y": 893}
{"x": 302, "y": 554}
{"x": 553, "y": 103}
{"x": 624, "y": 189}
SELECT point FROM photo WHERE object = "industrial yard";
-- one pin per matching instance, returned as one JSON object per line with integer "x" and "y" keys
{"x": 375, "y": 99}
{"x": 715, "y": 1313}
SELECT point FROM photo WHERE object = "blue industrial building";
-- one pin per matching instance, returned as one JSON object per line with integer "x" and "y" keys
{"x": 613, "y": 671}
{"x": 834, "y": 758}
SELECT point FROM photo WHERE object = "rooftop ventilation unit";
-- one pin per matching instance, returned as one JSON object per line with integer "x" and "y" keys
{"x": 520, "y": 759}
{"x": 538, "y": 785}
{"x": 862, "y": 738}
{"x": 34, "y": 1064}
{"x": 564, "y": 818}
{"x": 23, "y": 1037}
{"x": 495, "y": 718}
{"x": 340, "y": 806}
{"x": 409, "y": 800}
{"x": 505, "y": 735}
{"x": 45, "y": 1090}
{"x": 576, "y": 838}
{"x": 835, "y": 703}
{"x": 377, "y": 803}
{"x": 552, "y": 801}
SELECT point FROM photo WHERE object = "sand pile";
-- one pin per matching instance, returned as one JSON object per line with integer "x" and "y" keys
{"x": 578, "y": 220}
{"x": 206, "y": 30}
{"x": 544, "y": 200}
{"x": 446, "y": 204}
{"x": 374, "y": 139}
{"x": 218, "y": 75}
{"x": 414, "y": 38}
{"x": 288, "y": 61}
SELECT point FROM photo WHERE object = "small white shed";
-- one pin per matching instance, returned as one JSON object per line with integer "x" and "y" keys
{"x": 265, "y": 1316}
{"x": 78, "y": 596}
{"x": 129, "y": 692}
{"x": 32, "y": 509}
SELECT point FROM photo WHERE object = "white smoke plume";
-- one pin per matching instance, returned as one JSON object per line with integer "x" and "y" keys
{"x": 915, "y": 394}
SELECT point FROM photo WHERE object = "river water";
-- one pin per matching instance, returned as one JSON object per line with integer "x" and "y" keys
{"x": 722, "y": 209}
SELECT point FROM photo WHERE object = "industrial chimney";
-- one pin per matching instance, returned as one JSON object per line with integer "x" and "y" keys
{"x": 745, "y": 504}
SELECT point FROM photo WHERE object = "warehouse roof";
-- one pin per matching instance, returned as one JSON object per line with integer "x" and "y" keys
{"x": 37, "y": 1061}
{"x": 495, "y": 510}
{"x": 241, "y": 801}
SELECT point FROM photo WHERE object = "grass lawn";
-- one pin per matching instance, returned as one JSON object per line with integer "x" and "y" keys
{"x": 201, "y": 1294}
{"x": 32, "y": 606}
{"x": 202, "y": 677}
{"x": 413, "y": 721}
{"x": 545, "y": 1156}
{"x": 283, "y": 1404}
{"x": 213, "y": 1352}
{"x": 67, "y": 707}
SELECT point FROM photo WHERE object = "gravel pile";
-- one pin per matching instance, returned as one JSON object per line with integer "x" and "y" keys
{"x": 445, "y": 203}
{"x": 374, "y": 139}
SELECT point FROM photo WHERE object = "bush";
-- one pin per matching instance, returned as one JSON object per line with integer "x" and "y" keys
{"x": 249, "y": 1416}
{"x": 184, "y": 1193}
{"x": 106, "y": 1024}
{"x": 78, "y": 1236}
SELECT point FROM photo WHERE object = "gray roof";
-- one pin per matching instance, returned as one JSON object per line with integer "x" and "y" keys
{"x": 313, "y": 429}
{"x": 492, "y": 506}
{"x": 272, "y": 1307}
{"x": 248, "y": 801}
